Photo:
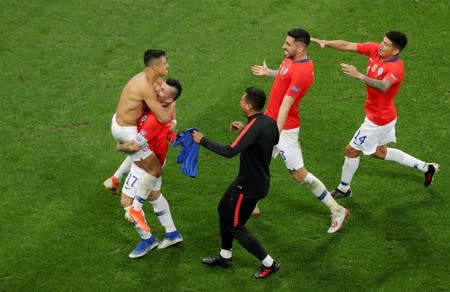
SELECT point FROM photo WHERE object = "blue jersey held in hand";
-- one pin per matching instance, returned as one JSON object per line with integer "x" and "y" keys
{"x": 188, "y": 157}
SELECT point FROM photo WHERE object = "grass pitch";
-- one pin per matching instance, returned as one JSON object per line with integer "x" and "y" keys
{"x": 63, "y": 67}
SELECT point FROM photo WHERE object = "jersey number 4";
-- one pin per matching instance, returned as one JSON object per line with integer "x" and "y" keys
{"x": 359, "y": 139}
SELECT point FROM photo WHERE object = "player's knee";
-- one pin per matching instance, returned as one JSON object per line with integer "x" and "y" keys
{"x": 351, "y": 152}
{"x": 154, "y": 195}
{"x": 236, "y": 230}
{"x": 300, "y": 175}
{"x": 380, "y": 153}
{"x": 125, "y": 201}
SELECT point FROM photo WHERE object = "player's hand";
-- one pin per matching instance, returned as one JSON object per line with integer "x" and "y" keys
{"x": 173, "y": 125}
{"x": 351, "y": 71}
{"x": 197, "y": 136}
{"x": 321, "y": 43}
{"x": 128, "y": 147}
{"x": 260, "y": 70}
{"x": 236, "y": 126}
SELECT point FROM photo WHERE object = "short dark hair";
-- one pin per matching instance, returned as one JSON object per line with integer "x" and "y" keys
{"x": 300, "y": 35}
{"x": 398, "y": 39}
{"x": 256, "y": 97}
{"x": 175, "y": 83}
{"x": 152, "y": 54}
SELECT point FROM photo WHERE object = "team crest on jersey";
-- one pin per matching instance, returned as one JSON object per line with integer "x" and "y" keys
{"x": 380, "y": 71}
{"x": 374, "y": 68}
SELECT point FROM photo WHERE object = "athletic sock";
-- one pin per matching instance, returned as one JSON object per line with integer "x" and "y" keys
{"x": 225, "y": 253}
{"x": 319, "y": 190}
{"x": 348, "y": 170}
{"x": 267, "y": 261}
{"x": 145, "y": 185}
{"x": 123, "y": 168}
{"x": 143, "y": 234}
{"x": 403, "y": 158}
{"x": 162, "y": 211}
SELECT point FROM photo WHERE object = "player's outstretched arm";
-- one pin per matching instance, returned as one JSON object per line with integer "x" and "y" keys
{"x": 335, "y": 44}
{"x": 263, "y": 70}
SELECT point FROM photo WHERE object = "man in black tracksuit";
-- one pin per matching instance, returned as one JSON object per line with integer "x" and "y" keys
{"x": 254, "y": 143}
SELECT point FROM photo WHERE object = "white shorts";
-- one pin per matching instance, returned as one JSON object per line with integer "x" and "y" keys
{"x": 289, "y": 149}
{"x": 369, "y": 136}
{"x": 131, "y": 182}
{"x": 125, "y": 134}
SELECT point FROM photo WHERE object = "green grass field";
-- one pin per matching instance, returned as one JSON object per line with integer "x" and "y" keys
{"x": 63, "y": 65}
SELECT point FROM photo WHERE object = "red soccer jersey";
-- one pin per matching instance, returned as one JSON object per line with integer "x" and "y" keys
{"x": 293, "y": 79}
{"x": 380, "y": 107}
{"x": 155, "y": 133}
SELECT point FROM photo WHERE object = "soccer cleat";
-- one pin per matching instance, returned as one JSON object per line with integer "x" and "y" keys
{"x": 429, "y": 174}
{"x": 265, "y": 272}
{"x": 337, "y": 219}
{"x": 338, "y": 194}
{"x": 112, "y": 184}
{"x": 138, "y": 218}
{"x": 170, "y": 238}
{"x": 144, "y": 246}
{"x": 218, "y": 261}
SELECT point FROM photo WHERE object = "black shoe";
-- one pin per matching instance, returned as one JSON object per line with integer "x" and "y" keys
{"x": 429, "y": 174}
{"x": 218, "y": 261}
{"x": 338, "y": 194}
{"x": 267, "y": 271}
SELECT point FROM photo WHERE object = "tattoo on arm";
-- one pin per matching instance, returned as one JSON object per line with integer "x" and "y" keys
{"x": 381, "y": 85}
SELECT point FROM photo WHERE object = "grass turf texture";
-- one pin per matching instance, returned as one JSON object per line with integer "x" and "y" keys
{"x": 63, "y": 67}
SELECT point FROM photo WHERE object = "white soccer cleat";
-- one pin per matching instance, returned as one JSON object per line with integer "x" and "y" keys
{"x": 112, "y": 184}
{"x": 170, "y": 238}
{"x": 337, "y": 219}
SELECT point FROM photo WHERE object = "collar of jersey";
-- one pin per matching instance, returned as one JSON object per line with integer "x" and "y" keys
{"x": 307, "y": 59}
{"x": 393, "y": 59}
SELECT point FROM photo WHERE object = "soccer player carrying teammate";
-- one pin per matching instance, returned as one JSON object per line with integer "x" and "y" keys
{"x": 385, "y": 73}
{"x": 138, "y": 94}
{"x": 151, "y": 135}
{"x": 254, "y": 143}
{"x": 291, "y": 82}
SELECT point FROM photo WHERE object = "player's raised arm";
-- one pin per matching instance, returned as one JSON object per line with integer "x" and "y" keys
{"x": 335, "y": 44}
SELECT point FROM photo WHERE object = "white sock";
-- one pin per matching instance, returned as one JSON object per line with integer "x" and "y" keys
{"x": 123, "y": 168}
{"x": 319, "y": 190}
{"x": 403, "y": 158}
{"x": 348, "y": 170}
{"x": 267, "y": 261}
{"x": 162, "y": 211}
{"x": 143, "y": 234}
{"x": 145, "y": 185}
{"x": 226, "y": 254}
